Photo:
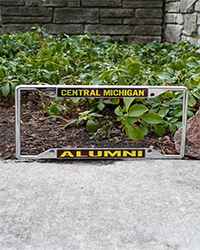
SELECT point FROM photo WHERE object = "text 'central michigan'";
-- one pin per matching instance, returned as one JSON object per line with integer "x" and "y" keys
{"x": 102, "y": 92}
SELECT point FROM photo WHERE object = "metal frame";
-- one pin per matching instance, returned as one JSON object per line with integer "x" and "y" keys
{"x": 52, "y": 91}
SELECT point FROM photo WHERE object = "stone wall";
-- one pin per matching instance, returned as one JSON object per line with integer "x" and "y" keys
{"x": 182, "y": 21}
{"x": 139, "y": 20}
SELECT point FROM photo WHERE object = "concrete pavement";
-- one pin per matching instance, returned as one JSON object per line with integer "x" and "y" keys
{"x": 152, "y": 204}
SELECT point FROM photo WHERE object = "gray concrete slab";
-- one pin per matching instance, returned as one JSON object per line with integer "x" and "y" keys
{"x": 153, "y": 204}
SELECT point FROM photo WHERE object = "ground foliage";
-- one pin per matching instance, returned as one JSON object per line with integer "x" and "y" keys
{"x": 39, "y": 58}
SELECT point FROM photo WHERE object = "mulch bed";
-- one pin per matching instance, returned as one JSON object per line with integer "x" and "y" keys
{"x": 39, "y": 132}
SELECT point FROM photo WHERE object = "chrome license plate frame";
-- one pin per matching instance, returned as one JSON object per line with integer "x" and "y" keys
{"x": 100, "y": 92}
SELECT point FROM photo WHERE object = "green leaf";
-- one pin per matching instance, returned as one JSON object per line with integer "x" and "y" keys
{"x": 119, "y": 118}
{"x": 137, "y": 110}
{"x": 133, "y": 61}
{"x": 176, "y": 102}
{"x": 164, "y": 76}
{"x": 191, "y": 101}
{"x": 144, "y": 130}
{"x": 190, "y": 113}
{"x": 172, "y": 128}
{"x": 188, "y": 83}
{"x": 46, "y": 74}
{"x": 132, "y": 119}
{"x": 101, "y": 106}
{"x": 65, "y": 61}
{"x": 197, "y": 95}
{"x": 91, "y": 126}
{"x": 192, "y": 64}
{"x": 109, "y": 74}
{"x": 159, "y": 130}
{"x": 6, "y": 89}
{"x": 133, "y": 133}
{"x": 109, "y": 102}
{"x": 179, "y": 64}
{"x": 12, "y": 89}
{"x": 178, "y": 113}
{"x": 178, "y": 124}
{"x": 54, "y": 110}
{"x": 151, "y": 118}
{"x": 2, "y": 74}
{"x": 76, "y": 100}
{"x": 170, "y": 70}
{"x": 173, "y": 120}
{"x": 127, "y": 102}
{"x": 1, "y": 45}
{"x": 154, "y": 110}
{"x": 69, "y": 123}
{"x": 195, "y": 77}
{"x": 116, "y": 100}
{"x": 118, "y": 111}
{"x": 95, "y": 115}
{"x": 36, "y": 26}
{"x": 163, "y": 112}
{"x": 121, "y": 80}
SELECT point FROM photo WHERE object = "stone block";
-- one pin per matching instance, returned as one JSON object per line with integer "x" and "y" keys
{"x": 27, "y": 11}
{"x": 198, "y": 19}
{"x": 74, "y": 3}
{"x": 109, "y": 29}
{"x": 190, "y": 23}
{"x": 172, "y": 7}
{"x": 76, "y": 15}
{"x": 192, "y": 147}
{"x": 170, "y": 18}
{"x": 143, "y": 39}
{"x": 186, "y": 6}
{"x": 179, "y": 19}
{"x": 147, "y": 30}
{"x": 174, "y": 18}
{"x": 190, "y": 39}
{"x": 47, "y": 3}
{"x": 173, "y": 33}
{"x": 197, "y": 6}
{"x": 146, "y": 13}
{"x": 117, "y": 12}
{"x": 111, "y": 21}
{"x": 146, "y": 21}
{"x": 25, "y": 20}
{"x": 11, "y": 2}
{"x": 142, "y": 4}
{"x": 101, "y": 3}
{"x": 71, "y": 29}
{"x": 11, "y": 28}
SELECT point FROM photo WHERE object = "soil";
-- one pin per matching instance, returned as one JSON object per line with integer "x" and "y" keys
{"x": 39, "y": 132}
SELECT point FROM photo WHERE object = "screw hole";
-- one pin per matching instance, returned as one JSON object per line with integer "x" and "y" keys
{"x": 152, "y": 94}
{"x": 149, "y": 150}
{"x": 52, "y": 151}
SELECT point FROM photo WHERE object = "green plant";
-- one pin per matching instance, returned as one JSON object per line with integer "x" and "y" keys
{"x": 169, "y": 107}
{"x": 99, "y": 104}
{"x": 43, "y": 59}
{"x": 136, "y": 121}
{"x": 89, "y": 118}
{"x": 105, "y": 128}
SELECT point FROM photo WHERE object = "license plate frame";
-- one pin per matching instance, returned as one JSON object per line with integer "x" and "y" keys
{"x": 100, "y": 92}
